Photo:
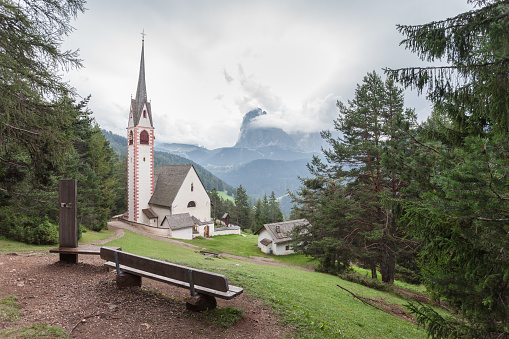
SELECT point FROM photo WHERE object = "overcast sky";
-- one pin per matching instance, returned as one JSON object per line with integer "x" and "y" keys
{"x": 209, "y": 62}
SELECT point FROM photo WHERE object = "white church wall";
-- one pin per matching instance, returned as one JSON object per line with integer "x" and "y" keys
{"x": 130, "y": 182}
{"x": 183, "y": 233}
{"x": 141, "y": 173}
{"x": 198, "y": 194}
{"x": 161, "y": 212}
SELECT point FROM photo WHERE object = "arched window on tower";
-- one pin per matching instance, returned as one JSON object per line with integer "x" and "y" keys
{"x": 192, "y": 187}
{"x": 144, "y": 138}
{"x": 144, "y": 113}
{"x": 131, "y": 138}
{"x": 191, "y": 204}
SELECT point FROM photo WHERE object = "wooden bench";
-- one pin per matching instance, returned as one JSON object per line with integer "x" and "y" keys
{"x": 204, "y": 286}
{"x": 81, "y": 249}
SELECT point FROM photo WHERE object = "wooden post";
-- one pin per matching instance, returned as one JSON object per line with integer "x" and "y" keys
{"x": 68, "y": 222}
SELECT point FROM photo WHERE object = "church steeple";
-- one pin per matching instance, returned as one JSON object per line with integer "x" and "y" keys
{"x": 140, "y": 102}
{"x": 140, "y": 150}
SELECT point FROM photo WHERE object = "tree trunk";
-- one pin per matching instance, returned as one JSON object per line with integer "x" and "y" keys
{"x": 373, "y": 271}
{"x": 388, "y": 262}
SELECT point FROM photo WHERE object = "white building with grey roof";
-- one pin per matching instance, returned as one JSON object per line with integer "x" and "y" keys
{"x": 275, "y": 238}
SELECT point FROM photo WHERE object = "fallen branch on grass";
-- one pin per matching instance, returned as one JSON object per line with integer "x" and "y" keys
{"x": 364, "y": 300}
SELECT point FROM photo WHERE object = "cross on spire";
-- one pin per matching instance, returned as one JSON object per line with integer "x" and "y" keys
{"x": 143, "y": 35}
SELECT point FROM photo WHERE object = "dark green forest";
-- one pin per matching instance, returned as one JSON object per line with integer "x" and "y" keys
{"x": 250, "y": 217}
{"x": 426, "y": 201}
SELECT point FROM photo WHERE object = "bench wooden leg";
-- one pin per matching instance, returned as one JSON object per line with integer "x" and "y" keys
{"x": 69, "y": 258}
{"x": 201, "y": 302}
{"x": 128, "y": 280}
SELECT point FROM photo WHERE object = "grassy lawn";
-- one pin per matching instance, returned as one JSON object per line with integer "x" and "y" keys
{"x": 90, "y": 236}
{"x": 409, "y": 287}
{"x": 245, "y": 245}
{"x": 309, "y": 300}
{"x": 224, "y": 195}
{"x": 10, "y": 246}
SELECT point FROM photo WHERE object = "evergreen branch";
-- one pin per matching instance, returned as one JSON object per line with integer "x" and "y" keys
{"x": 495, "y": 220}
{"x": 12, "y": 163}
{"x": 20, "y": 129}
{"x": 421, "y": 144}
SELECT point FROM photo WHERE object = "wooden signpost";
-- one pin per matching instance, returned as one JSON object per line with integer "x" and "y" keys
{"x": 68, "y": 223}
{"x": 68, "y": 248}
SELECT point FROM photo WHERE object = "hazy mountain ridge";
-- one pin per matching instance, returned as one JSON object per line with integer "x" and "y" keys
{"x": 119, "y": 145}
{"x": 263, "y": 160}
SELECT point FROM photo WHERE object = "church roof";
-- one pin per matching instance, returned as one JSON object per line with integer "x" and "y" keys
{"x": 141, "y": 93}
{"x": 179, "y": 221}
{"x": 149, "y": 213}
{"x": 168, "y": 180}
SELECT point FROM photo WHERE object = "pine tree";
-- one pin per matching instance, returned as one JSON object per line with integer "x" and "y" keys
{"x": 35, "y": 103}
{"x": 355, "y": 178}
{"x": 36, "y": 112}
{"x": 242, "y": 209}
{"x": 459, "y": 209}
{"x": 275, "y": 214}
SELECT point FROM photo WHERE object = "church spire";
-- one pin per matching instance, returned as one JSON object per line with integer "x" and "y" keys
{"x": 141, "y": 91}
{"x": 140, "y": 101}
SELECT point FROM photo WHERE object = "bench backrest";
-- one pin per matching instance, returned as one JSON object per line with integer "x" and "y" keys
{"x": 173, "y": 271}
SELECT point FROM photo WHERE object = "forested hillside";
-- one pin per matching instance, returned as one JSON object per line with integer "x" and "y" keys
{"x": 47, "y": 133}
{"x": 210, "y": 181}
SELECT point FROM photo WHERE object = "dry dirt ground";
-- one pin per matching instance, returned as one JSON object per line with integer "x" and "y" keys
{"x": 84, "y": 301}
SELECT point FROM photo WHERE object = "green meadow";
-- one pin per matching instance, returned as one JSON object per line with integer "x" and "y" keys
{"x": 310, "y": 301}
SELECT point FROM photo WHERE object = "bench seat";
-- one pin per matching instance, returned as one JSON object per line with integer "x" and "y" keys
{"x": 230, "y": 294}
{"x": 81, "y": 249}
{"x": 197, "y": 281}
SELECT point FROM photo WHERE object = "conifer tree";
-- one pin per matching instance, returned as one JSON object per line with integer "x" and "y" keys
{"x": 354, "y": 198}
{"x": 36, "y": 111}
{"x": 274, "y": 212}
{"x": 459, "y": 209}
{"x": 242, "y": 209}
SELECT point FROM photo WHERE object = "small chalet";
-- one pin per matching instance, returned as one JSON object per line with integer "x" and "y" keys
{"x": 275, "y": 238}
{"x": 180, "y": 226}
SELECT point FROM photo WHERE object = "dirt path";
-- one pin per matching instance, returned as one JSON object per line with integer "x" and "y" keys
{"x": 119, "y": 227}
{"x": 84, "y": 301}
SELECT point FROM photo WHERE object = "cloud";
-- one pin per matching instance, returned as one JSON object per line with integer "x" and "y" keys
{"x": 227, "y": 77}
{"x": 209, "y": 63}
{"x": 314, "y": 115}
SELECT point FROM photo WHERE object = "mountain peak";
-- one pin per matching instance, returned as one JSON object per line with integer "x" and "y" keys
{"x": 255, "y": 137}
{"x": 250, "y": 116}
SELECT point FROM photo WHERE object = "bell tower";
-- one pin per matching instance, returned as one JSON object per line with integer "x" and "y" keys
{"x": 140, "y": 150}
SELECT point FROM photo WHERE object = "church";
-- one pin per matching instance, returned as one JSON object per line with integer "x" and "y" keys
{"x": 172, "y": 200}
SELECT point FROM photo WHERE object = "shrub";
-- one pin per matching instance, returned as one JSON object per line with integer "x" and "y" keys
{"x": 41, "y": 232}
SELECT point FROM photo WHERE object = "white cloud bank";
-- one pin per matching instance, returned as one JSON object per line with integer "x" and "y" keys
{"x": 210, "y": 62}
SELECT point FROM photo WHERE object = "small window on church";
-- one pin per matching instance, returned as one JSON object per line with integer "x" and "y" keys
{"x": 144, "y": 113}
{"x": 144, "y": 138}
{"x": 192, "y": 187}
{"x": 131, "y": 138}
{"x": 191, "y": 204}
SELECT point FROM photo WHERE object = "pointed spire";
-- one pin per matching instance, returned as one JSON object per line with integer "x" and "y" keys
{"x": 141, "y": 92}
